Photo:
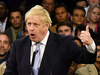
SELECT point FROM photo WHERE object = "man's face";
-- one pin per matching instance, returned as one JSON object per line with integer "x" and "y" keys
{"x": 61, "y": 14}
{"x": 93, "y": 2}
{"x": 72, "y": 68}
{"x": 64, "y": 30}
{"x": 16, "y": 19}
{"x": 36, "y": 28}
{"x": 78, "y": 17}
{"x": 81, "y": 3}
{"x": 98, "y": 54}
{"x": 4, "y": 45}
{"x": 3, "y": 11}
{"x": 48, "y": 5}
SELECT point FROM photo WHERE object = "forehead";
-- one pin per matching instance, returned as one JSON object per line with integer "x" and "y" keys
{"x": 16, "y": 13}
{"x": 78, "y": 11}
{"x": 48, "y": 1}
{"x": 59, "y": 9}
{"x": 4, "y": 37}
{"x": 96, "y": 8}
{"x": 64, "y": 27}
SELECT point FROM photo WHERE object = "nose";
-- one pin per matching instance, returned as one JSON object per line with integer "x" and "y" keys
{"x": 63, "y": 33}
{"x": 2, "y": 44}
{"x": 32, "y": 27}
{"x": 15, "y": 19}
{"x": 60, "y": 15}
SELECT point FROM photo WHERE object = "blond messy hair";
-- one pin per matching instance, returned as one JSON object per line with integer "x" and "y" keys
{"x": 39, "y": 10}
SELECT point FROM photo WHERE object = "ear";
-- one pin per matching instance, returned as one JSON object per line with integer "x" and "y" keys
{"x": 68, "y": 14}
{"x": 72, "y": 33}
{"x": 71, "y": 18}
{"x": 9, "y": 48}
{"x": 47, "y": 24}
{"x": 23, "y": 33}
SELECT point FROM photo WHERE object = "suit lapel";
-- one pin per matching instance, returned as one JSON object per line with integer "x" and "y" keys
{"x": 26, "y": 48}
{"x": 51, "y": 44}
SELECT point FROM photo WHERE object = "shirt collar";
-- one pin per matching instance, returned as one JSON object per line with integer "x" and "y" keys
{"x": 44, "y": 41}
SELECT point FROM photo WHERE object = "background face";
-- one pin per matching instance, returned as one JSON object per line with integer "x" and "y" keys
{"x": 48, "y": 5}
{"x": 4, "y": 45}
{"x": 64, "y": 30}
{"x": 3, "y": 11}
{"x": 95, "y": 15}
{"x": 61, "y": 14}
{"x": 16, "y": 19}
{"x": 78, "y": 17}
{"x": 93, "y": 2}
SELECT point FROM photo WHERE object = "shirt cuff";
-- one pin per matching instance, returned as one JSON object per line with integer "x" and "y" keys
{"x": 91, "y": 48}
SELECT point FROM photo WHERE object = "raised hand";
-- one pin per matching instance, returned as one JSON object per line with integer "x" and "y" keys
{"x": 86, "y": 37}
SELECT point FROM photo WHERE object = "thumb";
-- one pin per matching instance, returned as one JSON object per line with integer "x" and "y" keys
{"x": 87, "y": 28}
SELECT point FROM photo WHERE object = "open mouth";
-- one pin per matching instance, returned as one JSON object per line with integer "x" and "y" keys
{"x": 32, "y": 35}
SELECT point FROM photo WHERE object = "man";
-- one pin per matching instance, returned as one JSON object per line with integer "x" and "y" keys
{"x": 56, "y": 51}
{"x": 4, "y": 47}
{"x": 4, "y": 22}
{"x": 91, "y": 2}
{"x": 61, "y": 14}
{"x": 91, "y": 69}
{"x": 49, "y": 6}
{"x": 82, "y": 3}
{"x": 16, "y": 20}
{"x": 65, "y": 28}
{"x": 78, "y": 16}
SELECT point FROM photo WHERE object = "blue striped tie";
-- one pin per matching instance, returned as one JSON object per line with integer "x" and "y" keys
{"x": 37, "y": 59}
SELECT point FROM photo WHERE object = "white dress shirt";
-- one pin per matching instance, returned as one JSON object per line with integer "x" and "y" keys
{"x": 3, "y": 25}
{"x": 42, "y": 48}
{"x": 91, "y": 48}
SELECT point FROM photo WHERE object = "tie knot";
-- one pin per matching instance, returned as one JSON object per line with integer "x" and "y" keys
{"x": 38, "y": 45}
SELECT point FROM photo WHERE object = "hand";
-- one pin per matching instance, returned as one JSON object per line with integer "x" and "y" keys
{"x": 86, "y": 37}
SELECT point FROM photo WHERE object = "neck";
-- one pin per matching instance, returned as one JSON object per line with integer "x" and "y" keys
{"x": 2, "y": 56}
{"x": 3, "y": 19}
{"x": 17, "y": 30}
{"x": 97, "y": 65}
{"x": 74, "y": 25}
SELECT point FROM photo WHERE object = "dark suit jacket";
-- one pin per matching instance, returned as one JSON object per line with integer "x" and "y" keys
{"x": 62, "y": 50}
{"x": 9, "y": 33}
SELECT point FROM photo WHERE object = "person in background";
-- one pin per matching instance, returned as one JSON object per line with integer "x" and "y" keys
{"x": 49, "y": 5}
{"x": 93, "y": 17}
{"x": 55, "y": 52}
{"x": 61, "y": 14}
{"x": 5, "y": 47}
{"x": 78, "y": 16}
{"x": 16, "y": 20}
{"x": 4, "y": 21}
{"x": 65, "y": 28}
{"x": 91, "y": 2}
{"x": 82, "y": 3}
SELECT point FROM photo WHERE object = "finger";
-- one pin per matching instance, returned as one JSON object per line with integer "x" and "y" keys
{"x": 87, "y": 28}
